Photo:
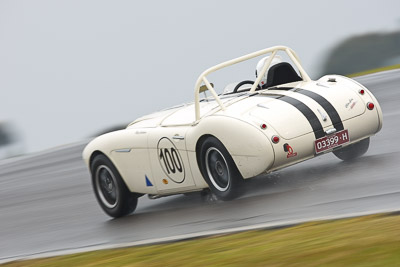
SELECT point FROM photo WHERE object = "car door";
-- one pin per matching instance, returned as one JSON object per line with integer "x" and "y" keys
{"x": 169, "y": 160}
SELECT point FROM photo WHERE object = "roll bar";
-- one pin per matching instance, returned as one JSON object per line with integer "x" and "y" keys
{"x": 273, "y": 50}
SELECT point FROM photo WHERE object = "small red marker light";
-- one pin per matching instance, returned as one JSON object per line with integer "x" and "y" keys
{"x": 362, "y": 92}
{"x": 275, "y": 139}
{"x": 263, "y": 126}
{"x": 370, "y": 105}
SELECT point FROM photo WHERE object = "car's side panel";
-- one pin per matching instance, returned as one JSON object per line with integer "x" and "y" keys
{"x": 135, "y": 168}
{"x": 127, "y": 149}
{"x": 169, "y": 159}
{"x": 249, "y": 147}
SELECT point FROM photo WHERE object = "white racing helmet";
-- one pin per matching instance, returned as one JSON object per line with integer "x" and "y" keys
{"x": 277, "y": 59}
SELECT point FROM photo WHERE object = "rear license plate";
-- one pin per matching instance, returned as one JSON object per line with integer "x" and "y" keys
{"x": 331, "y": 141}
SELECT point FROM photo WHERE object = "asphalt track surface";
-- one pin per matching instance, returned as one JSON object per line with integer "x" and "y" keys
{"x": 47, "y": 203}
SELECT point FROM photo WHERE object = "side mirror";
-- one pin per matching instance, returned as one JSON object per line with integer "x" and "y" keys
{"x": 204, "y": 88}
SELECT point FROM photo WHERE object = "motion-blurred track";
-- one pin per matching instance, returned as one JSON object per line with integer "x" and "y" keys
{"x": 47, "y": 203}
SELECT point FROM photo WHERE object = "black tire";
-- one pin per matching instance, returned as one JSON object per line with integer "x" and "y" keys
{"x": 352, "y": 151}
{"x": 219, "y": 170}
{"x": 111, "y": 191}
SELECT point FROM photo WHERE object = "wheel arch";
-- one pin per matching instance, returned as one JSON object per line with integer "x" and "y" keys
{"x": 200, "y": 141}
{"x": 250, "y": 149}
{"x": 95, "y": 154}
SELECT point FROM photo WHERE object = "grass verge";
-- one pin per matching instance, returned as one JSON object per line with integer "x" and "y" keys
{"x": 366, "y": 241}
{"x": 374, "y": 71}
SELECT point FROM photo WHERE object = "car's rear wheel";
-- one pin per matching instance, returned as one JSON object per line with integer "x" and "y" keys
{"x": 111, "y": 191}
{"x": 353, "y": 151}
{"x": 219, "y": 170}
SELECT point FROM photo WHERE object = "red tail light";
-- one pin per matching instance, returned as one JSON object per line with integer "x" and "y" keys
{"x": 362, "y": 91}
{"x": 275, "y": 139}
{"x": 370, "y": 105}
{"x": 263, "y": 126}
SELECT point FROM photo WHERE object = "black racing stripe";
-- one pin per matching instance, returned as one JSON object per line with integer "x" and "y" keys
{"x": 325, "y": 104}
{"x": 308, "y": 113}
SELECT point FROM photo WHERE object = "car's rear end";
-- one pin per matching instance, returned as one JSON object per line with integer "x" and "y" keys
{"x": 312, "y": 118}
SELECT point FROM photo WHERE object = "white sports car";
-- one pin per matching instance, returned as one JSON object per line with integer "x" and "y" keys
{"x": 254, "y": 127}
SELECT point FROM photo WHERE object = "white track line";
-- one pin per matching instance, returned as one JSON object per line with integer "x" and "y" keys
{"x": 269, "y": 225}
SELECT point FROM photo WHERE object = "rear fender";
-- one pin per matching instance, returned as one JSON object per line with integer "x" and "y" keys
{"x": 249, "y": 147}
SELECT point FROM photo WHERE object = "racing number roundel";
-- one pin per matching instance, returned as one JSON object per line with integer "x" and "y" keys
{"x": 170, "y": 160}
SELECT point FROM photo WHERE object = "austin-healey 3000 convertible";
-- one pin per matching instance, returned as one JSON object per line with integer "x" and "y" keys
{"x": 218, "y": 141}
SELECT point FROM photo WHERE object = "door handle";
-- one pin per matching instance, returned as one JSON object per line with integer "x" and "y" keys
{"x": 178, "y": 137}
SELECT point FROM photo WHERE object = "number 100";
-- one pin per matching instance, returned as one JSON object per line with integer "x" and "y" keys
{"x": 171, "y": 160}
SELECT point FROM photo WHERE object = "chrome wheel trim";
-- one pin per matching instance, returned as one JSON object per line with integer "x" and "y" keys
{"x": 219, "y": 169}
{"x": 104, "y": 193}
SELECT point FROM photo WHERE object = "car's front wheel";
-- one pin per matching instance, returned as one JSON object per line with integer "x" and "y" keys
{"x": 353, "y": 151}
{"x": 111, "y": 192}
{"x": 219, "y": 170}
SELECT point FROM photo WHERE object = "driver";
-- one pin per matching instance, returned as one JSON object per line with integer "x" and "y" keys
{"x": 277, "y": 59}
